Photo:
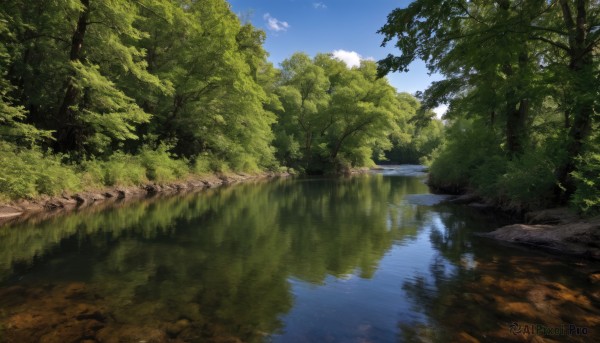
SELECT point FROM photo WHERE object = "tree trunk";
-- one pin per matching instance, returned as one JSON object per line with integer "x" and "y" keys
{"x": 582, "y": 75}
{"x": 69, "y": 135}
{"x": 517, "y": 110}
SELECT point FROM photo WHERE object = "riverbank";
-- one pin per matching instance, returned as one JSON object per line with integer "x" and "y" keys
{"x": 48, "y": 206}
{"x": 557, "y": 230}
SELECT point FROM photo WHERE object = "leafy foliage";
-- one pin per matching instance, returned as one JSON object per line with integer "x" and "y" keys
{"x": 525, "y": 73}
{"x": 127, "y": 92}
{"x": 587, "y": 196}
{"x": 333, "y": 118}
{"x": 27, "y": 173}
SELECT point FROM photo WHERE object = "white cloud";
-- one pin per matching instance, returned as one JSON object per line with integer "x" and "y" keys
{"x": 319, "y": 5}
{"x": 351, "y": 58}
{"x": 274, "y": 24}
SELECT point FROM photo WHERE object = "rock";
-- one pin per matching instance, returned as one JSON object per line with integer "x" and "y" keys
{"x": 210, "y": 183}
{"x": 88, "y": 198}
{"x": 111, "y": 194}
{"x": 10, "y": 211}
{"x": 131, "y": 192}
{"x": 30, "y": 206}
{"x": 179, "y": 186}
{"x": 97, "y": 197}
{"x": 196, "y": 184}
{"x": 121, "y": 194}
{"x": 68, "y": 202}
{"x": 53, "y": 204}
{"x": 579, "y": 238}
{"x": 560, "y": 215}
{"x": 152, "y": 188}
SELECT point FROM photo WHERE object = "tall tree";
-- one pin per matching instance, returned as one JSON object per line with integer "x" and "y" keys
{"x": 12, "y": 115}
{"x": 69, "y": 66}
{"x": 516, "y": 48}
{"x": 333, "y": 117}
{"x": 213, "y": 64}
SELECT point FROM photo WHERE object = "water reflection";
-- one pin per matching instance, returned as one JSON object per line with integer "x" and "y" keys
{"x": 476, "y": 289}
{"x": 218, "y": 261}
{"x": 293, "y": 260}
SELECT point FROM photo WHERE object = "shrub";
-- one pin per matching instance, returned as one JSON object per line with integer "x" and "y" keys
{"x": 587, "y": 179}
{"x": 470, "y": 145}
{"x": 123, "y": 170}
{"x": 27, "y": 173}
{"x": 161, "y": 166}
{"x": 528, "y": 182}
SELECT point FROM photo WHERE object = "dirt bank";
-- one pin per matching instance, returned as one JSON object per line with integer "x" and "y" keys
{"x": 49, "y": 206}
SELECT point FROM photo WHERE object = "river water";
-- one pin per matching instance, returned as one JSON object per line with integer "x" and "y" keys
{"x": 371, "y": 258}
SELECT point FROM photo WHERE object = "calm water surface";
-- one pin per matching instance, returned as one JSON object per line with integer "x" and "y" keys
{"x": 365, "y": 259}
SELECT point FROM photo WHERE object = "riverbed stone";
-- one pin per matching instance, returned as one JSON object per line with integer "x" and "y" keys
{"x": 88, "y": 198}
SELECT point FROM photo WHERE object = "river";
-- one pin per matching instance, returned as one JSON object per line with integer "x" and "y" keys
{"x": 369, "y": 258}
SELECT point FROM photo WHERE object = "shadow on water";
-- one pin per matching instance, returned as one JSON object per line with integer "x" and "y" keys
{"x": 366, "y": 258}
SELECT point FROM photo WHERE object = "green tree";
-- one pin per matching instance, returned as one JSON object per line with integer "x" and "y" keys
{"x": 333, "y": 117}
{"x": 12, "y": 115}
{"x": 519, "y": 63}
{"x": 69, "y": 65}
{"x": 213, "y": 63}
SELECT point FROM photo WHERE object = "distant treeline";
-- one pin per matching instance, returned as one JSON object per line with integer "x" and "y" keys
{"x": 107, "y": 92}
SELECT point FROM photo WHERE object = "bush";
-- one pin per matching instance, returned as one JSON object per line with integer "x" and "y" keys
{"x": 208, "y": 164}
{"x": 470, "y": 145}
{"x": 201, "y": 165}
{"x": 161, "y": 166}
{"x": 124, "y": 170}
{"x": 528, "y": 182}
{"x": 27, "y": 173}
{"x": 473, "y": 159}
{"x": 587, "y": 179}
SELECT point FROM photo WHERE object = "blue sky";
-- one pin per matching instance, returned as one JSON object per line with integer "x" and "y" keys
{"x": 347, "y": 27}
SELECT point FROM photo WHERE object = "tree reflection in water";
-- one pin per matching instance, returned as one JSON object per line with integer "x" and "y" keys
{"x": 476, "y": 289}
{"x": 208, "y": 266}
{"x": 230, "y": 264}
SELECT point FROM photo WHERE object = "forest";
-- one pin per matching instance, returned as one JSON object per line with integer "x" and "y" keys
{"x": 522, "y": 82}
{"x": 97, "y": 93}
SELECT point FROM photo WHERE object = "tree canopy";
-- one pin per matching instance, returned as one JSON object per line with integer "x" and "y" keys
{"x": 525, "y": 72}
{"x": 171, "y": 87}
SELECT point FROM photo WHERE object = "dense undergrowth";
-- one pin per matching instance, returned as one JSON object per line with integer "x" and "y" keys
{"x": 515, "y": 183}
{"x": 27, "y": 173}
